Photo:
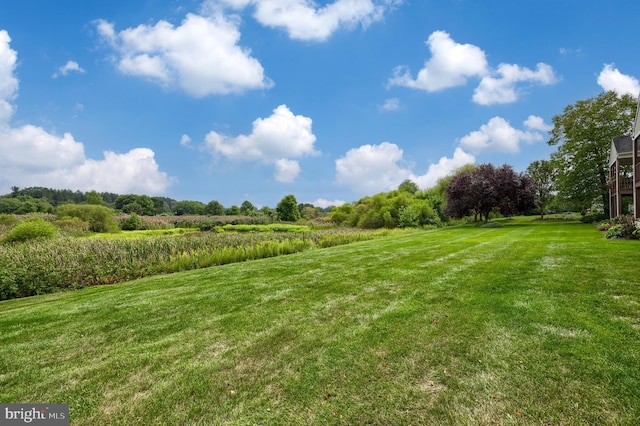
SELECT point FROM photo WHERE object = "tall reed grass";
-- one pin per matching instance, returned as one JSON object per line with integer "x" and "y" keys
{"x": 66, "y": 263}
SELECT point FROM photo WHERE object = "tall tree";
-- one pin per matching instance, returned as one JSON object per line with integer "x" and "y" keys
{"x": 409, "y": 186}
{"x": 247, "y": 208}
{"x": 214, "y": 208}
{"x": 94, "y": 198}
{"x": 583, "y": 134}
{"x": 287, "y": 209}
{"x": 543, "y": 174}
{"x": 486, "y": 188}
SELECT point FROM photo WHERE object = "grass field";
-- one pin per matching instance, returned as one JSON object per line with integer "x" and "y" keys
{"x": 532, "y": 323}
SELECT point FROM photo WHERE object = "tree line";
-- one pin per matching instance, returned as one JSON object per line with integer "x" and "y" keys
{"x": 574, "y": 178}
{"x": 47, "y": 200}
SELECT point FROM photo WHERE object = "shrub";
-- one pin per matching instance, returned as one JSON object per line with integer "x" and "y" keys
{"x": 132, "y": 223}
{"x": 593, "y": 217}
{"x": 31, "y": 229}
{"x": 623, "y": 227}
{"x": 72, "y": 225}
{"x": 8, "y": 220}
{"x": 100, "y": 218}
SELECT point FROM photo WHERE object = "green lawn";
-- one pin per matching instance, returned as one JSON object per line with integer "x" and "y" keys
{"x": 533, "y": 323}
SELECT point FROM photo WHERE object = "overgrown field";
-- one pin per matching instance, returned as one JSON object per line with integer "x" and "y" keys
{"x": 46, "y": 266}
{"x": 531, "y": 324}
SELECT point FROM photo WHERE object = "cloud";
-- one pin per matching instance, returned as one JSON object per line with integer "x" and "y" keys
{"x": 500, "y": 88}
{"x": 611, "y": 78}
{"x": 453, "y": 64}
{"x": 31, "y": 156}
{"x": 392, "y": 104}
{"x": 534, "y": 122}
{"x": 302, "y": 20}
{"x": 443, "y": 168}
{"x": 273, "y": 140}
{"x": 70, "y": 66}
{"x": 377, "y": 168}
{"x": 35, "y": 157}
{"x": 372, "y": 168}
{"x": 499, "y": 136}
{"x": 185, "y": 140}
{"x": 286, "y": 170}
{"x": 201, "y": 56}
{"x": 323, "y": 204}
{"x": 8, "y": 81}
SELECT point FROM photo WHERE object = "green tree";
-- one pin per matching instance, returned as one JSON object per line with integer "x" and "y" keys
{"x": 543, "y": 174}
{"x": 188, "y": 207}
{"x": 214, "y": 208}
{"x": 233, "y": 211}
{"x": 343, "y": 215}
{"x": 94, "y": 198}
{"x": 247, "y": 208}
{"x": 583, "y": 135}
{"x": 160, "y": 205}
{"x": 409, "y": 186}
{"x": 287, "y": 209}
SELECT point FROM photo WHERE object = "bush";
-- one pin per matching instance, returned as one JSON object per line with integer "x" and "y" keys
{"x": 593, "y": 217}
{"x": 623, "y": 227}
{"x": 72, "y": 225}
{"x": 132, "y": 223}
{"x": 8, "y": 220}
{"x": 31, "y": 229}
{"x": 100, "y": 218}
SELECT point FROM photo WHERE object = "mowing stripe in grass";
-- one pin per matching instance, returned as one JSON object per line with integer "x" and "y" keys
{"x": 453, "y": 326}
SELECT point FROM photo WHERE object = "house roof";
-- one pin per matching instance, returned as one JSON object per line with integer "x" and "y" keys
{"x": 621, "y": 146}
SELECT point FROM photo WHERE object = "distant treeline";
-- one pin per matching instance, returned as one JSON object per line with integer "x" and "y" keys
{"x": 46, "y": 200}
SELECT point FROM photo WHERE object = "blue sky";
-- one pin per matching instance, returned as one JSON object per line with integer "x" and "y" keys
{"x": 235, "y": 100}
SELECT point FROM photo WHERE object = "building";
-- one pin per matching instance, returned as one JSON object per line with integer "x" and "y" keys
{"x": 624, "y": 172}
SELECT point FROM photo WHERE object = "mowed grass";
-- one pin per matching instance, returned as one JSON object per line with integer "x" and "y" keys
{"x": 533, "y": 323}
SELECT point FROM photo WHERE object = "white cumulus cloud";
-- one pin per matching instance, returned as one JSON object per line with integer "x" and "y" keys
{"x": 371, "y": 169}
{"x": 501, "y": 87}
{"x": 201, "y": 56}
{"x": 444, "y": 167}
{"x": 499, "y": 136}
{"x": 273, "y": 140}
{"x": 185, "y": 140}
{"x": 70, "y": 66}
{"x": 323, "y": 203}
{"x": 286, "y": 170}
{"x": 32, "y": 156}
{"x": 392, "y": 104}
{"x": 303, "y": 20}
{"x": 611, "y": 78}
{"x": 453, "y": 64}
{"x": 8, "y": 81}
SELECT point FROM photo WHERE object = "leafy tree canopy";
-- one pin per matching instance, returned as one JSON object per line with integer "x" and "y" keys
{"x": 287, "y": 209}
{"x": 543, "y": 174}
{"x": 214, "y": 208}
{"x": 485, "y": 188}
{"x": 583, "y": 135}
{"x": 409, "y": 186}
